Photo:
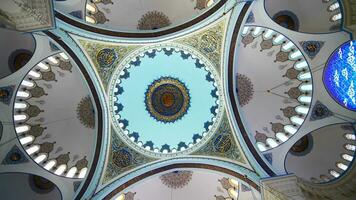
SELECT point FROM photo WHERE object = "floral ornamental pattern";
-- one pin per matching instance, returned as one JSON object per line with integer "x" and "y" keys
{"x": 340, "y": 75}
{"x": 244, "y": 89}
{"x": 122, "y": 158}
{"x": 130, "y": 195}
{"x": 153, "y": 20}
{"x": 93, "y": 50}
{"x": 208, "y": 42}
{"x": 222, "y": 144}
{"x": 176, "y": 179}
{"x": 201, "y": 4}
{"x": 86, "y": 113}
{"x": 167, "y": 99}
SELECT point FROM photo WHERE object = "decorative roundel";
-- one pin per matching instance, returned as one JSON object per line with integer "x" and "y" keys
{"x": 165, "y": 100}
{"x": 340, "y": 75}
{"x": 122, "y": 157}
{"x": 222, "y": 143}
{"x": 106, "y": 57}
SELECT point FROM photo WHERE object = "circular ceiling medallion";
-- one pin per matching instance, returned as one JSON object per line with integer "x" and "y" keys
{"x": 106, "y": 57}
{"x": 165, "y": 100}
{"x": 340, "y": 75}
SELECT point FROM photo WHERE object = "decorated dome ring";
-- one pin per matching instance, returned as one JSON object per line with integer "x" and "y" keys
{"x": 165, "y": 100}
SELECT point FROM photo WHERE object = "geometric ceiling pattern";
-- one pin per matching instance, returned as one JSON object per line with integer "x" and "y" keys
{"x": 203, "y": 99}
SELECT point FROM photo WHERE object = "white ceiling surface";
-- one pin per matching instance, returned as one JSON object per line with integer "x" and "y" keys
{"x": 312, "y": 14}
{"x": 328, "y": 145}
{"x": 204, "y": 185}
{"x": 60, "y": 116}
{"x": 70, "y": 6}
{"x": 126, "y": 13}
{"x": 18, "y": 188}
{"x": 13, "y": 41}
{"x": 265, "y": 75}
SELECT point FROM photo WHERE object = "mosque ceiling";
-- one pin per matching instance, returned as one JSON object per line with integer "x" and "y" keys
{"x": 115, "y": 104}
{"x": 198, "y": 53}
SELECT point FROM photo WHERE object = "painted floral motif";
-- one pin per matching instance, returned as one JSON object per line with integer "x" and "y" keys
{"x": 153, "y": 20}
{"x": 176, "y": 179}
{"x": 85, "y": 112}
{"x": 244, "y": 89}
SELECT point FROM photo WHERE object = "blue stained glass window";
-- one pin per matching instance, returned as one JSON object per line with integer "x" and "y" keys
{"x": 340, "y": 75}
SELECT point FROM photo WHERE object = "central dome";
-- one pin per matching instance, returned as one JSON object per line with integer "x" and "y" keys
{"x": 167, "y": 99}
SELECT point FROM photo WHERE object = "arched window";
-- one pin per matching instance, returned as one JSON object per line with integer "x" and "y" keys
{"x": 26, "y": 140}
{"x": 271, "y": 142}
{"x": 333, "y": 6}
{"x": 33, "y": 149}
{"x": 82, "y": 172}
{"x": 350, "y": 147}
{"x": 50, "y": 164}
{"x": 334, "y": 173}
{"x": 336, "y": 17}
{"x": 347, "y": 157}
{"x": 350, "y": 136}
{"x": 261, "y": 146}
{"x": 40, "y": 158}
{"x": 60, "y": 170}
{"x": 342, "y": 166}
{"x": 71, "y": 172}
